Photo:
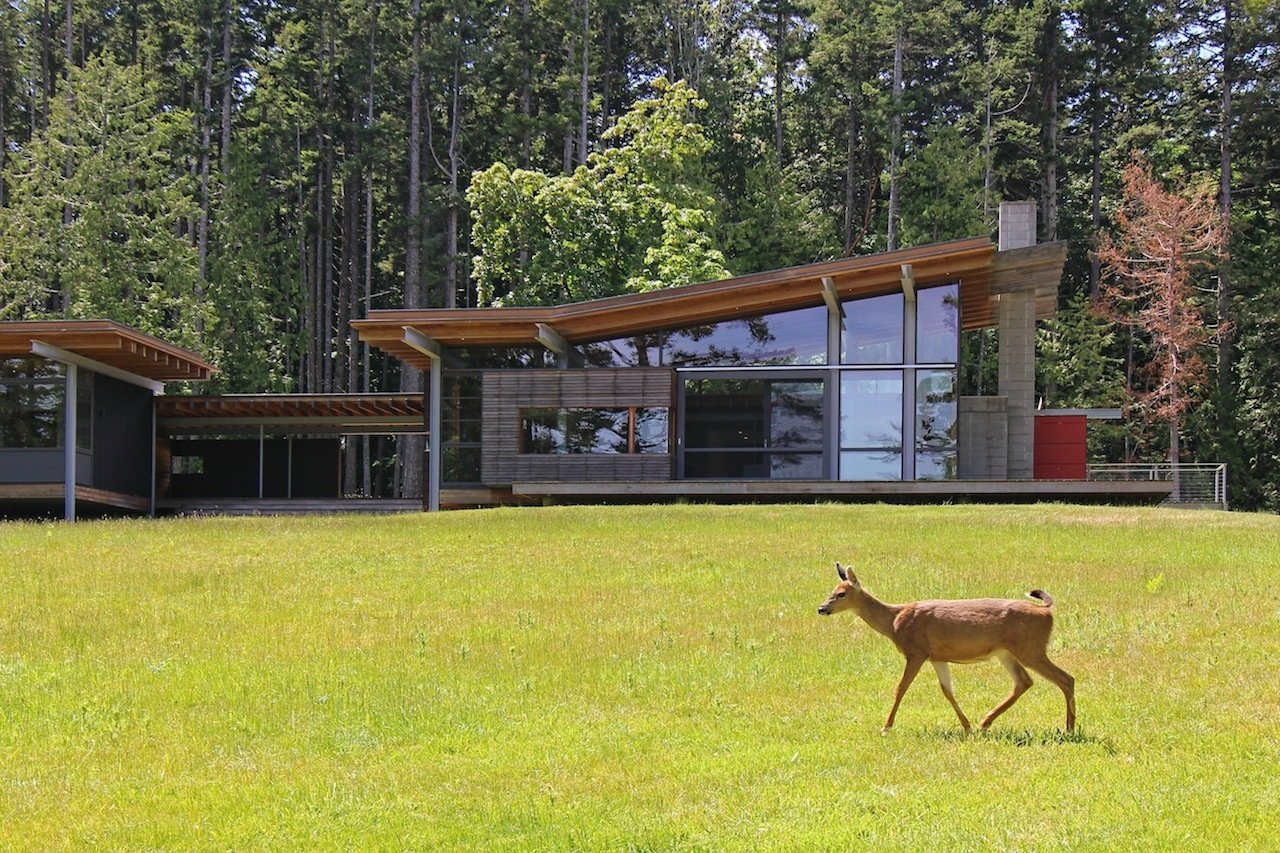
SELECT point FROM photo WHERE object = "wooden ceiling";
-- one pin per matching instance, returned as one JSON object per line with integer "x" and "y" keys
{"x": 972, "y": 262}
{"x": 110, "y": 343}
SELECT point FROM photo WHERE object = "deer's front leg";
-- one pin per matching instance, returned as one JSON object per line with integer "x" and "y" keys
{"x": 908, "y": 676}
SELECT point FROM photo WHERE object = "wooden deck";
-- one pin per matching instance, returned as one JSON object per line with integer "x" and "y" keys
{"x": 285, "y": 506}
{"x": 919, "y": 491}
{"x": 47, "y": 499}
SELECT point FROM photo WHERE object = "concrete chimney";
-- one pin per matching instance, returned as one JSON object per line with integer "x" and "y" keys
{"x": 1017, "y": 224}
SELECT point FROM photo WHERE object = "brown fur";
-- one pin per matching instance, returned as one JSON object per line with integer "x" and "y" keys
{"x": 961, "y": 631}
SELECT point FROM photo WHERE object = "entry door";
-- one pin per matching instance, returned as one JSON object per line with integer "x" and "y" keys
{"x": 746, "y": 426}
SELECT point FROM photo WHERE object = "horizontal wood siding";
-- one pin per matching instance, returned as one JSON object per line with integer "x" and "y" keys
{"x": 506, "y": 392}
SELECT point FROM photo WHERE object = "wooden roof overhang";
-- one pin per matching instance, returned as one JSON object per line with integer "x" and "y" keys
{"x": 109, "y": 343}
{"x": 339, "y": 413}
{"x": 970, "y": 261}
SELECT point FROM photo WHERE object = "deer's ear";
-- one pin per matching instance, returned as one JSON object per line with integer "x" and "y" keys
{"x": 840, "y": 572}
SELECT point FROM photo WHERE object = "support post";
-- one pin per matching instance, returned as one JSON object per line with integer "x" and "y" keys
{"x": 262, "y": 439}
{"x": 434, "y": 451}
{"x": 435, "y": 395}
{"x": 70, "y": 439}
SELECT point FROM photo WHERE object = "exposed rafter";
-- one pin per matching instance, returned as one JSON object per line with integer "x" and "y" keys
{"x": 552, "y": 340}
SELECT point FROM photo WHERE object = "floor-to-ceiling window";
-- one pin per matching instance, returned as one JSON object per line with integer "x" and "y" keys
{"x": 897, "y": 391}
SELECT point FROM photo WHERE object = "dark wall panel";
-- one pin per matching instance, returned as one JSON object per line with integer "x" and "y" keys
{"x": 505, "y": 393}
{"x": 122, "y": 430}
{"x": 229, "y": 468}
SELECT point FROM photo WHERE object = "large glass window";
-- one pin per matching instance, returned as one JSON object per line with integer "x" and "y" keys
{"x": 871, "y": 425}
{"x": 33, "y": 404}
{"x": 753, "y": 428}
{"x": 938, "y": 325}
{"x": 873, "y": 330}
{"x": 790, "y": 337}
{"x": 937, "y": 424}
{"x": 460, "y": 433}
{"x": 593, "y": 430}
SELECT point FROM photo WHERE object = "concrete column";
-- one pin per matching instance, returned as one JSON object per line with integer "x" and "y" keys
{"x": 1017, "y": 356}
{"x": 1017, "y": 377}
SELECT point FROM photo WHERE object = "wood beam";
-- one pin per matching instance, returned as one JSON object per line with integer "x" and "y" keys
{"x": 552, "y": 340}
{"x": 908, "y": 283}
{"x": 832, "y": 297}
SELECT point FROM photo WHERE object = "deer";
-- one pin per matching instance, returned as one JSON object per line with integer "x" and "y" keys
{"x": 1014, "y": 632}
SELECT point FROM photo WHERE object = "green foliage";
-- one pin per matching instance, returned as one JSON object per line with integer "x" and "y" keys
{"x": 96, "y": 200}
{"x": 637, "y": 216}
{"x": 625, "y": 678}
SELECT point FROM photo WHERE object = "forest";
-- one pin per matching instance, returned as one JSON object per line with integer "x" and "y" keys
{"x": 245, "y": 178}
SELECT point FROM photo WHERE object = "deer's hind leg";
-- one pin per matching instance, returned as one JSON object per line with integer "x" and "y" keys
{"x": 1059, "y": 676}
{"x": 1021, "y": 683}
{"x": 944, "y": 681}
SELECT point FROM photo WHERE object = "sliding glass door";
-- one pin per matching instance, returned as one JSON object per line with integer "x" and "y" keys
{"x": 752, "y": 427}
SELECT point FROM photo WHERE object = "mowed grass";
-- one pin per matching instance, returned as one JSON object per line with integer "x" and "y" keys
{"x": 642, "y": 678}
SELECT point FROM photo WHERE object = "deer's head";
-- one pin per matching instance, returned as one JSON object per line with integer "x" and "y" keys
{"x": 845, "y": 593}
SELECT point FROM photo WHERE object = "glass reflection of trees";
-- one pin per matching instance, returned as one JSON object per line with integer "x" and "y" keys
{"x": 785, "y": 338}
{"x": 938, "y": 325}
{"x": 937, "y": 425}
{"x": 32, "y": 393}
{"x": 762, "y": 428}
{"x": 593, "y": 430}
{"x": 871, "y": 425}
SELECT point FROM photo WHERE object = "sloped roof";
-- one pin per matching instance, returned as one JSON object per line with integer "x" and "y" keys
{"x": 110, "y": 343}
{"x": 973, "y": 262}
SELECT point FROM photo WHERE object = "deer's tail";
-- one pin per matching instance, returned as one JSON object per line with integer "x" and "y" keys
{"x": 1045, "y": 598}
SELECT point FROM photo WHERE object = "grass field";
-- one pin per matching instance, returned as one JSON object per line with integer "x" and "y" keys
{"x": 629, "y": 678}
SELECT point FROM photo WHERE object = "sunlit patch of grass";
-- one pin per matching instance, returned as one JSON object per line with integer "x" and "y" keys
{"x": 628, "y": 678}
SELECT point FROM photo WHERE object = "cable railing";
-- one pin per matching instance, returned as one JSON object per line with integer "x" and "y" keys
{"x": 1201, "y": 484}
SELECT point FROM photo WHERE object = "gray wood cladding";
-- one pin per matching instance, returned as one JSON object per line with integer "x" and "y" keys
{"x": 506, "y": 392}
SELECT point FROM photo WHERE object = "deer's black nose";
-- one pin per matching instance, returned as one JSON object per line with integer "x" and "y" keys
{"x": 822, "y": 610}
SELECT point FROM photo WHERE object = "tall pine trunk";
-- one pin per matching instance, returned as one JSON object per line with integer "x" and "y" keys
{"x": 895, "y": 144}
{"x": 1052, "y": 74}
{"x": 584, "y": 92}
{"x": 409, "y": 453}
{"x": 1225, "y": 335}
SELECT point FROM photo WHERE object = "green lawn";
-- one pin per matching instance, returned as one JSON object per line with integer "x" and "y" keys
{"x": 629, "y": 678}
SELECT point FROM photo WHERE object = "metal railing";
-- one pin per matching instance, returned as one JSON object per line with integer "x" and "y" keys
{"x": 1194, "y": 483}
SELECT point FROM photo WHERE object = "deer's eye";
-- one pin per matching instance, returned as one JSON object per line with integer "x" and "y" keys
{"x": 839, "y": 595}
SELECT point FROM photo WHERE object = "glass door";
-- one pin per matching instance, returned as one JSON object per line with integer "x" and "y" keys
{"x": 752, "y": 427}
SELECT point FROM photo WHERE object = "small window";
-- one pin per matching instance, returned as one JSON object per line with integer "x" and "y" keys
{"x": 187, "y": 464}
{"x": 593, "y": 430}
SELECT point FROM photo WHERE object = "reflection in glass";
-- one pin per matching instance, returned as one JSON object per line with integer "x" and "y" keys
{"x": 651, "y": 430}
{"x": 871, "y": 425}
{"x": 873, "y": 330}
{"x": 938, "y": 325}
{"x": 593, "y": 430}
{"x": 796, "y": 414}
{"x": 638, "y": 351}
{"x": 936, "y": 416}
{"x": 871, "y": 409}
{"x": 753, "y": 428}
{"x": 31, "y": 411}
{"x": 937, "y": 425}
{"x": 790, "y": 337}
{"x": 870, "y": 465}
{"x": 936, "y": 464}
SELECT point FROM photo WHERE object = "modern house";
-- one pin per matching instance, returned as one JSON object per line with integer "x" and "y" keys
{"x": 77, "y": 414}
{"x": 836, "y": 380}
